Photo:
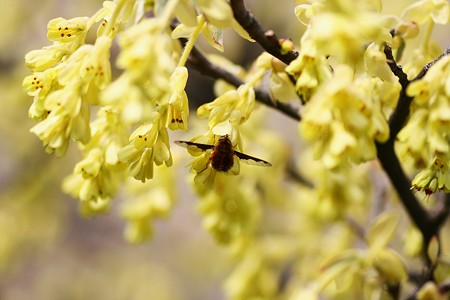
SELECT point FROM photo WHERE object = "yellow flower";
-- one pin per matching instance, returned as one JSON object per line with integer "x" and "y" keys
{"x": 68, "y": 116}
{"x": 148, "y": 55}
{"x": 430, "y": 291}
{"x": 426, "y": 133}
{"x": 310, "y": 70}
{"x": 97, "y": 178}
{"x": 424, "y": 10}
{"x": 96, "y": 68}
{"x": 230, "y": 214}
{"x": 88, "y": 190}
{"x": 178, "y": 102}
{"x": 391, "y": 266}
{"x": 93, "y": 178}
{"x": 45, "y": 58}
{"x": 342, "y": 29}
{"x": 39, "y": 85}
{"x": 435, "y": 176}
{"x": 212, "y": 34}
{"x": 219, "y": 14}
{"x": 67, "y": 31}
{"x": 235, "y": 106}
{"x": 344, "y": 118}
{"x": 145, "y": 203}
{"x": 148, "y": 145}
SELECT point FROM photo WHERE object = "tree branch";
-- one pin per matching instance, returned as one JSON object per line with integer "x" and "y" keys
{"x": 391, "y": 165}
{"x": 401, "y": 112}
{"x": 266, "y": 39}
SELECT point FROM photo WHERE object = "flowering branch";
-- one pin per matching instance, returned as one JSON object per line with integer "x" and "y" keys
{"x": 199, "y": 62}
{"x": 267, "y": 39}
{"x": 428, "y": 224}
{"x": 401, "y": 112}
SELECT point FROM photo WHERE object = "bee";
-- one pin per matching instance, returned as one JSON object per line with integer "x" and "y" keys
{"x": 223, "y": 155}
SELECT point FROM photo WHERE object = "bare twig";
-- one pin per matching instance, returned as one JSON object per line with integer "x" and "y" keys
{"x": 266, "y": 39}
{"x": 401, "y": 112}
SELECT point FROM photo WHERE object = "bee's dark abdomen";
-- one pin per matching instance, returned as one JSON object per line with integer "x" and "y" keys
{"x": 222, "y": 162}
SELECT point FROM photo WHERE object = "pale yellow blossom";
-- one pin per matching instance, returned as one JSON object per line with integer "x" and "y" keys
{"x": 67, "y": 31}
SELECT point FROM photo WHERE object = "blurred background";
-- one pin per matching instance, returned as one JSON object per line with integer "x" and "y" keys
{"x": 47, "y": 250}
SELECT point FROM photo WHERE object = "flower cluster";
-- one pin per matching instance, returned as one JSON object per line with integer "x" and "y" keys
{"x": 344, "y": 118}
{"x": 378, "y": 262}
{"x": 97, "y": 177}
{"x": 150, "y": 92}
{"x": 329, "y": 24}
{"x": 147, "y": 203}
{"x": 68, "y": 80}
{"x": 69, "y": 75}
{"x": 425, "y": 138}
{"x": 343, "y": 78}
{"x": 58, "y": 85}
{"x": 310, "y": 70}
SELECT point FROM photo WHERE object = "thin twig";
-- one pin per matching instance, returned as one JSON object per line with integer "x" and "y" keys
{"x": 266, "y": 39}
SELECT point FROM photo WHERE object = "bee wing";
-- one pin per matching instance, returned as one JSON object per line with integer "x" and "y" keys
{"x": 252, "y": 160}
{"x": 194, "y": 146}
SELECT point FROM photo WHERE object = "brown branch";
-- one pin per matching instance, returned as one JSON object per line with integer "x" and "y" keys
{"x": 388, "y": 158}
{"x": 266, "y": 39}
{"x": 402, "y": 185}
{"x": 401, "y": 112}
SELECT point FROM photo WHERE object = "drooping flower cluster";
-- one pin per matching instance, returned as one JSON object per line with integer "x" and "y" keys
{"x": 71, "y": 76}
{"x": 97, "y": 178}
{"x": 150, "y": 92}
{"x": 344, "y": 118}
{"x": 147, "y": 203}
{"x": 64, "y": 82}
{"x": 329, "y": 24}
{"x": 343, "y": 77}
{"x": 425, "y": 138}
